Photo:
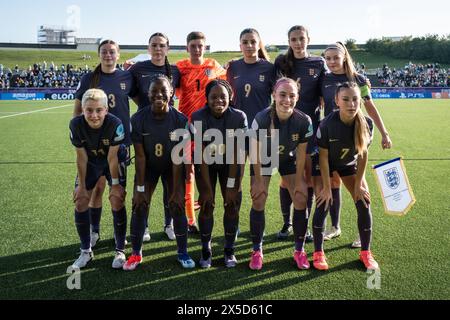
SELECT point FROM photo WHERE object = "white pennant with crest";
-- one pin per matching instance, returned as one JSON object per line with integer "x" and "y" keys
{"x": 394, "y": 186}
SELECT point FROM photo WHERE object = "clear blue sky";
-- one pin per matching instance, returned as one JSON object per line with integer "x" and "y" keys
{"x": 132, "y": 22}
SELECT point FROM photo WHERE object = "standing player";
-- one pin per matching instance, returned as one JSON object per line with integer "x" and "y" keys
{"x": 218, "y": 115}
{"x": 295, "y": 129}
{"x": 308, "y": 71}
{"x": 252, "y": 77}
{"x": 118, "y": 85}
{"x": 158, "y": 48}
{"x": 97, "y": 136}
{"x": 195, "y": 73}
{"x": 342, "y": 69}
{"x": 154, "y": 138}
{"x": 343, "y": 138}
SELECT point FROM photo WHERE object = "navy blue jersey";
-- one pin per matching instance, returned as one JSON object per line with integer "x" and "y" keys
{"x": 142, "y": 73}
{"x": 330, "y": 84}
{"x": 156, "y": 135}
{"x": 296, "y": 130}
{"x": 308, "y": 72}
{"x": 231, "y": 120}
{"x": 118, "y": 86}
{"x": 96, "y": 142}
{"x": 339, "y": 139}
{"x": 252, "y": 85}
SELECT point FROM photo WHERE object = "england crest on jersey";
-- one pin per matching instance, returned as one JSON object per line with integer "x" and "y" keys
{"x": 262, "y": 78}
{"x": 392, "y": 178}
{"x": 123, "y": 86}
{"x": 208, "y": 73}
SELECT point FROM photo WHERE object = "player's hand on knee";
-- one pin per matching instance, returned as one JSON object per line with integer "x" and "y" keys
{"x": 80, "y": 194}
{"x": 363, "y": 194}
{"x": 117, "y": 191}
{"x": 325, "y": 197}
{"x": 139, "y": 200}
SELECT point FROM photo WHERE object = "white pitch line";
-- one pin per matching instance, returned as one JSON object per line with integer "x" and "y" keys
{"x": 40, "y": 110}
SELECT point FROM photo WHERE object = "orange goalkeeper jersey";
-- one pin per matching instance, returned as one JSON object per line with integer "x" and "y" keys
{"x": 193, "y": 80}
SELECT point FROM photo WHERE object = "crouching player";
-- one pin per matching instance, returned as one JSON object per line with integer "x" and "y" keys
{"x": 97, "y": 137}
{"x": 153, "y": 136}
{"x": 218, "y": 116}
{"x": 295, "y": 129}
{"x": 343, "y": 138}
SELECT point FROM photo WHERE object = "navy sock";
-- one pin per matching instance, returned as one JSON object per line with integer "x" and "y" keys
{"x": 319, "y": 227}
{"x": 285, "y": 205}
{"x": 257, "y": 225}
{"x": 239, "y": 202}
{"x": 300, "y": 225}
{"x": 137, "y": 228}
{"x": 206, "y": 224}
{"x": 335, "y": 208}
{"x": 364, "y": 224}
{"x": 95, "y": 215}
{"x": 310, "y": 199}
{"x": 120, "y": 228}
{"x": 167, "y": 216}
{"x": 230, "y": 226}
{"x": 180, "y": 227}
{"x": 83, "y": 228}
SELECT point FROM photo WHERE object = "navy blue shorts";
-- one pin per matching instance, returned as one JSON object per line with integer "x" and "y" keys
{"x": 95, "y": 171}
{"x": 342, "y": 171}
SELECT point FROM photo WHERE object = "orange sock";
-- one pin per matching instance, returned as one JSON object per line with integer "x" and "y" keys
{"x": 189, "y": 201}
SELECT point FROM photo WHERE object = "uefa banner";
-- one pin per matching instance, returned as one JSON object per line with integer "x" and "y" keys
{"x": 396, "y": 192}
{"x": 410, "y": 93}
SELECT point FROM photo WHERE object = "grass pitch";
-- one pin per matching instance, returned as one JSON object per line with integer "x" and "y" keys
{"x": 39, "y": 239}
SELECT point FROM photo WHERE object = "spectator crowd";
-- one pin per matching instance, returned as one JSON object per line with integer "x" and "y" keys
{"x": 414, "y": 75}
{"x": 42, "y": 76}
{"x": 67, "y": 76}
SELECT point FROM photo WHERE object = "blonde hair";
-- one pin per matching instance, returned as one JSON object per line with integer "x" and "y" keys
{"x": 95, "y": 95}
{"x": 361, "y": 133}
{"x": 349, "y": 67}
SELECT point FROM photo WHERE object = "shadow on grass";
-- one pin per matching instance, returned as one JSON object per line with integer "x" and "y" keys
{"x": 43, "y": 274}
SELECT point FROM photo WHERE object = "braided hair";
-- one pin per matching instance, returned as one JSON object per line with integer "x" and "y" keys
{"x": 166, "y": 60}
{"x": 219, "y": 82}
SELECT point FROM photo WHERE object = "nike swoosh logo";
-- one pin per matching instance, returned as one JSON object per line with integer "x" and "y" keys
{"x": 334, "y": 140}
{"x": 328, "y": 85}
{"x": 236, "y": 77}
{"x": 83, "y": 141}
{"x": 145, "y": 134}
{"x": 146, "y": 75}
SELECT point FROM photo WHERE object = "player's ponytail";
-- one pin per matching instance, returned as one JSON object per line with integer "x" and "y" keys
{"x": 262, "y": 52}
{"x": 287, "y": 60}
{"x": 95, "y": 81}
{"x": 168, "y": 69}
{"x": 349, "y": 67}
{"x": 361, "y": 133}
